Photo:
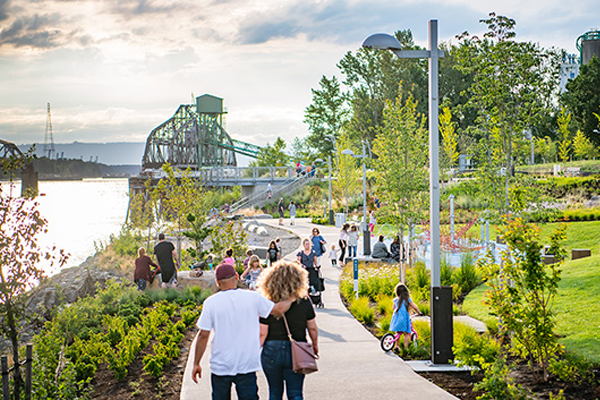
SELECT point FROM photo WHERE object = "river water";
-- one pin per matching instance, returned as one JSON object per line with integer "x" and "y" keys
{"x": 80, "y": 213}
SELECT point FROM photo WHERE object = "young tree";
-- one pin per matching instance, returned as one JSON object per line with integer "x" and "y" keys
{"x": 401, "y": 163}
{"x": 582, "y": 147}
{"x": 23, "y": 264}
{"x": 449, "y": 139}
{"x": 272, "y": 155}
{"x": 564, "y": 146}
{"x": 347, "y": 183}
{"x": 522, "y": 291}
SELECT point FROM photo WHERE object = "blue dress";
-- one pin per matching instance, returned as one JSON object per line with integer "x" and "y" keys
{"x": 400, "y": 320}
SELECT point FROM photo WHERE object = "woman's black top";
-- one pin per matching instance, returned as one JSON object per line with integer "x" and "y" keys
{"x": 308, "y": 261}
{"x": 273, "y": 255}
{"x": 300, "y": 311}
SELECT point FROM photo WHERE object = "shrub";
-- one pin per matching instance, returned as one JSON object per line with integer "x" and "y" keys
{"x": 467, "y": 277}
{"x": 362, "y": 310}
{"x": 497, "y": 385}
{"x": 383, "y": 324}
{"x": 472, "y": 348}
{"x": 385, "y": 304}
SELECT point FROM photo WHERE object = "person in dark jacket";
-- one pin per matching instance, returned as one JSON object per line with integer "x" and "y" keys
{"x": 380, "y": 250}
{"x": 142, "y": 274}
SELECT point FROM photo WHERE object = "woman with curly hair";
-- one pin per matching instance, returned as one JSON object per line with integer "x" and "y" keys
{"x": 283, "y": 280}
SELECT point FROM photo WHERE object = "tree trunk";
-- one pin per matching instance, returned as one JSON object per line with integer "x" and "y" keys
{"x": 14, "y": 338}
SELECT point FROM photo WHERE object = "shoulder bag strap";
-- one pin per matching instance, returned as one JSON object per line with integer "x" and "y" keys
{"x": 287, "y": 328}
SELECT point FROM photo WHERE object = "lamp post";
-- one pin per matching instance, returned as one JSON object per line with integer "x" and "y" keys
{"x": 366, "y": 232}
{"x": 331, "y": 221}
{"x": 441, "y": 298}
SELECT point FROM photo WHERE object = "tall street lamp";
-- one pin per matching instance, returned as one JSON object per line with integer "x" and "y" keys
{"x": 366, "y": 232}
{"x": 441, "y": 297}
{"x": 319, "y": 160}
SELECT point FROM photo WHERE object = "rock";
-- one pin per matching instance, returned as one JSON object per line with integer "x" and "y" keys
{"x": 187, "y": 278}
{"x": 262, "y": 231}
{"x": 252, "y": 228}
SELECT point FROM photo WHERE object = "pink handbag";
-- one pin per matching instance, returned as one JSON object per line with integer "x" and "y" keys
{"x": 304, "y": 359}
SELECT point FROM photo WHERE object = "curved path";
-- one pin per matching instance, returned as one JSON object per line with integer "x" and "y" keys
{"x": 352, "y": 365}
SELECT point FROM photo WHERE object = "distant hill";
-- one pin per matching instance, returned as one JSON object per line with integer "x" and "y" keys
{"x": 105, "y": 153}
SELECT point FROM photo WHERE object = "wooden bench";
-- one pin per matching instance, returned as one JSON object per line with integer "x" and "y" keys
{"x": 580, "y": 253}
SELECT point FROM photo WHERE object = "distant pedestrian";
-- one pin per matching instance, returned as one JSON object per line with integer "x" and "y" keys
{"x": 281, "y": 210}
{"x": 353, "y": 241}
{"x": 308, "y": 259}
{"x": 229, "y": 257}
{"x": 165, "y": 253}
{"x": 376, "y": 201}
{"x": 269, "y": 190}
{"x": 333, "y": 255}
{"x": 401, "y": 318}
{"x": 142, "y": 274}
{"x": 298, "y": 169}
{"x": 292, "y": 208}
{"x": 278, "y": 243}
{"x": 252, "y": 272}
{"x": 372, "y": 221}
{"x": 318, "y": 244}
{"x": 273, "y": 253}
{"x": 343, "y": 241}
{"x": 249, "y": 253}
{"x": 313, "y": 170}
{"x": 233, "y": 315}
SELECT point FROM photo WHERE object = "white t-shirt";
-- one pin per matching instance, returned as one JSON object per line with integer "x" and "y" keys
{"x": 233, "y": 315}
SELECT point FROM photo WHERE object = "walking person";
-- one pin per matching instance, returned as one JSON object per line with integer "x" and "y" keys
{"x": 165, "y": 253}
{"x": 292, "y": 208}
{"x": 269, "y": 190}
{"x": 273, "y": 253}
{"x": 333, "y": 255}
{"x": 286, "y": 279}
{"x": 343, "y": 242}
{"x": 233, "y": 315}
{"x": 142, "y": 274}
{"x": 281, "y": 210}
{"x": 353, "y": 241}
{"x": 372, "y": 222}
{"x": 401, "y": 318}
{"x": 318, "y": 244}
{"x": 308, "y": 259}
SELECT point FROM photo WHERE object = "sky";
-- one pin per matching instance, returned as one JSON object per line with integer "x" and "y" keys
{"x": 113, "y": 70}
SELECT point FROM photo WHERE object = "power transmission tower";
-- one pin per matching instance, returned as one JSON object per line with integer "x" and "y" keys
{"x": 49, "y": 150}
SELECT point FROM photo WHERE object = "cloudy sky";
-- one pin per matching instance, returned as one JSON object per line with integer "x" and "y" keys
{"x": 114, "y": 69}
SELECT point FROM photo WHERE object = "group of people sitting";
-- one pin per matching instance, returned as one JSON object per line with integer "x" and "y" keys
{"x": 395, "y": 254}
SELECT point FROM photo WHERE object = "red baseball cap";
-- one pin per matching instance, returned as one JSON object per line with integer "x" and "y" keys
{"x": 224, "y": 271}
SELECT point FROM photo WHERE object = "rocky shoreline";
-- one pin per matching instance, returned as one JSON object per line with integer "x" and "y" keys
{"x": 73, "y": 283}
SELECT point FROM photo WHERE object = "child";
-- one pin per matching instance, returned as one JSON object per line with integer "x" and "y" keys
{"x": 229, "y": 257}
{"x": 400, "y": 318}
{"x": 273, "y": 253}
{"x": 353, "y": 241}
{"x": 249, "y": 254}
{"x": 333, "y": 255}
{"x": 252, "y": 272}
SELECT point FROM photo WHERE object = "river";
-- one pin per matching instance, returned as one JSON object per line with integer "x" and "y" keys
{"x": 80, "y": 213}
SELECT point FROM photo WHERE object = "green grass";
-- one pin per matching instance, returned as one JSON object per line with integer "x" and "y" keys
{"x": 577, "y": 302}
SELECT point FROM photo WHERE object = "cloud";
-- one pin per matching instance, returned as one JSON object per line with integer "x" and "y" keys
{"x": 4, "y": 9}
{"x": 34, "y": 31}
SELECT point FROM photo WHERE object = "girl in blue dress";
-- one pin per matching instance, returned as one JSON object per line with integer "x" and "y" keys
{"x": 401, "y": 318}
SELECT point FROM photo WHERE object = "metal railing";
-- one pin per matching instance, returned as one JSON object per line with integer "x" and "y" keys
{"x": 6, "y": 378}
{"x": 259, "y": 199}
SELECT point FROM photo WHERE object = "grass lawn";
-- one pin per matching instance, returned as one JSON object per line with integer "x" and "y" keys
{"x": 577, "y": 304}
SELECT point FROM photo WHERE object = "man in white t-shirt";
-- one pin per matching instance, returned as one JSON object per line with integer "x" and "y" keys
{"x": 233, "y": 315}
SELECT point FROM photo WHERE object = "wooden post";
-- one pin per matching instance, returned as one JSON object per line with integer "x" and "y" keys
{"x": 28, "y": 362}
{"x": 5, "y": 380}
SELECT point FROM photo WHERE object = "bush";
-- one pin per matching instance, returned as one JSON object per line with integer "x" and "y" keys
{"x": 127, "y": 243}
{"x": 467, "y": 277}
{"x": 383, "y": 324}
{"x": 362, "y": 310}
{"x": 472, "y": 348}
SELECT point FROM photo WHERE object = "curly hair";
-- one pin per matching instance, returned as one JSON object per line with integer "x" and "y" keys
{"x": 282, "y": 280}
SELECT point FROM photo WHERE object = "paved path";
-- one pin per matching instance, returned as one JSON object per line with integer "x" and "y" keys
{"x": 352, "y": 365}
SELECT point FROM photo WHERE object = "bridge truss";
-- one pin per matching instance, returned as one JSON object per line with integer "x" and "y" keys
{"x": 8, "y": 149}
{"x": 192, "y": 139}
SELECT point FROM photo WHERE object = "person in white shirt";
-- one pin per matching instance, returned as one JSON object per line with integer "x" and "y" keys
{"x": 233, "y": 315}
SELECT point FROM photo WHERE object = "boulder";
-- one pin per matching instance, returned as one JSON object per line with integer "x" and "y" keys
{"x": 262, "y": 231}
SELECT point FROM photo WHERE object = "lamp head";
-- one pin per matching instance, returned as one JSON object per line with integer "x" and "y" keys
{"x": 382, "y": 41}
{"x": 319, "y": 160}
{"x": 348, "y": 152}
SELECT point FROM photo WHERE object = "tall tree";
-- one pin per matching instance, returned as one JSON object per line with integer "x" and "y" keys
{"x": 325, "y": 116}
{"x": 513, "y": 84}
{"x": 401, "y": 163}
{"x": 272, "y": 155}
{"x": 582, "y": 99}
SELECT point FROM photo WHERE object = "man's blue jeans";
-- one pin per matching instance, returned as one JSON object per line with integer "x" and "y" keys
{"x": 352, "y": 251}
{"x": 277, "y": 364}
{"x": 245, "y": 386}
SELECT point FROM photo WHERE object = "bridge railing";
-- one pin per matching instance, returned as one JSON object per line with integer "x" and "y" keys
{"x": 245, "y": 174}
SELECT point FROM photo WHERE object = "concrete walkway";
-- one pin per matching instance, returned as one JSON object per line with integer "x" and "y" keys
{"x": 352, "y": 365}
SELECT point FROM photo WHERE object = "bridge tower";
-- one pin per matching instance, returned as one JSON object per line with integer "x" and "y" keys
{"x": 49, "y": 150}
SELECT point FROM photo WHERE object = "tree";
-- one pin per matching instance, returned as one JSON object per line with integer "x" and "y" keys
{"x": 23, "y": 264}
{"x": 564, "y": 145}
{"x": 582, "y": 147}
{"x": 513, "y": 86}
{"x": 325, "y": 116}
{"x": 272, "y": 155}
{"x": 449, "y": 139}
{"x": 545, "y": 148}
{"x": 401, "y": 163}
{"x": 347, "y": 182}
{"x": 582, "y": 98}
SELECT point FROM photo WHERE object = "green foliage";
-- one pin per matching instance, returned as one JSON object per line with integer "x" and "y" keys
{"x": 525, "y": 305}
{"x": 229, "y": 234}
{"x": 362, "y": 310}
{"x": 272, "y": 155}
{"x": 472, "y": 348}
{"x": 127, "y": 243}
{"x": 383, "y": 324}
{"x": 319, "y": 220}
{"x": 497, "y": 384}
{"x": 467, "y": 277}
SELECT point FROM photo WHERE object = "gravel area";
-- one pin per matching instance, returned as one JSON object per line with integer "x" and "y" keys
{"x": 290, "y": 242}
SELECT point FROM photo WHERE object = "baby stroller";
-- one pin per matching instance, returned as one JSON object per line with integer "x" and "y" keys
{"x": 316, "y": 285}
